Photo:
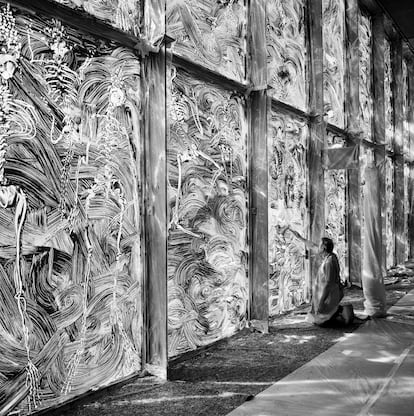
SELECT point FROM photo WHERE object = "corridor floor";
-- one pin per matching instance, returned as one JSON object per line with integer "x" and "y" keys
{"x": 218, "y": 379}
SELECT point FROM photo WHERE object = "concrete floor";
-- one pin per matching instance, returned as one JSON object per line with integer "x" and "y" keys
{"x": 369, "y": 372}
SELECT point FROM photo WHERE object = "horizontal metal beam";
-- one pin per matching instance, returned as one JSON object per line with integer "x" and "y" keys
{"x": 290, "y": 109}
{"x": 208, "y": 75}
{"x": 84, "y": 22}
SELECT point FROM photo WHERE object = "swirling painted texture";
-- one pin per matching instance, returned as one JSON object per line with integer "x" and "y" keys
{"x": 365, "y": 75}
{"x": 334, "y": 60}
{"x": 389, "y": 165}
{"x": 388, "y": 97}
{"x": 405, "y": 104}
{"x": 363, "y": 159}
{"x": 287, "y": 206}
{"x": 365, "y": 95}
{"x": 286, "y": 50}
{"x": 335, "y": 207}
{"x": 389, "y": 213}
{"x": 73, "y": 126}
{"x": 407, "y": 141}
{"x": 211, "y": 33}
{"x": 207, "y": 242}
{"x": 406, "y": 210}
{"x": 123, "y": 14}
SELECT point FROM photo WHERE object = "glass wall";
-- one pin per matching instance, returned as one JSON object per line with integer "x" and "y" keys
{"x": 207, "y": 198}
{"x": 70, "y": 216}
{"x": 288, "y": 173}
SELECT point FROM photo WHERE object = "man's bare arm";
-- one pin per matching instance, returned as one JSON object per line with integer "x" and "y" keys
{"x": 310, "y": 245}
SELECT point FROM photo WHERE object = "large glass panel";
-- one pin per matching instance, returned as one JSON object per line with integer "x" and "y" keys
{"x": 405, "y": 103}
{"x": 389, "y": 213}
{"x": 286, "y": 50}
{"x": 70, "y": 262}
{"x": 211, "y": 33}
{"x": 406, "y": 144}
{"x": 207, "y": 242}
{"x": 365, "y": 97}
{"x": 389, "y": 163}
{"x": 334, "y": 61}
{"x": 388, "y": 98}
{"x": 365, "y": 75}
{"x": 406, "y": 211}
{"x": 123, "y": 14}
{"x": 336, "y": 208}
{"x": 287, "y": 147}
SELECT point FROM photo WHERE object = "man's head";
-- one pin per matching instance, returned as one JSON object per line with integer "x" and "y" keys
{"x": 327, "y": 245}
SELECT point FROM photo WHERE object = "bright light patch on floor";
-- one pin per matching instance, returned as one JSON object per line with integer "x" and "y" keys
{"x": 299, "y": 339}
{"x": 170, "y": 399}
